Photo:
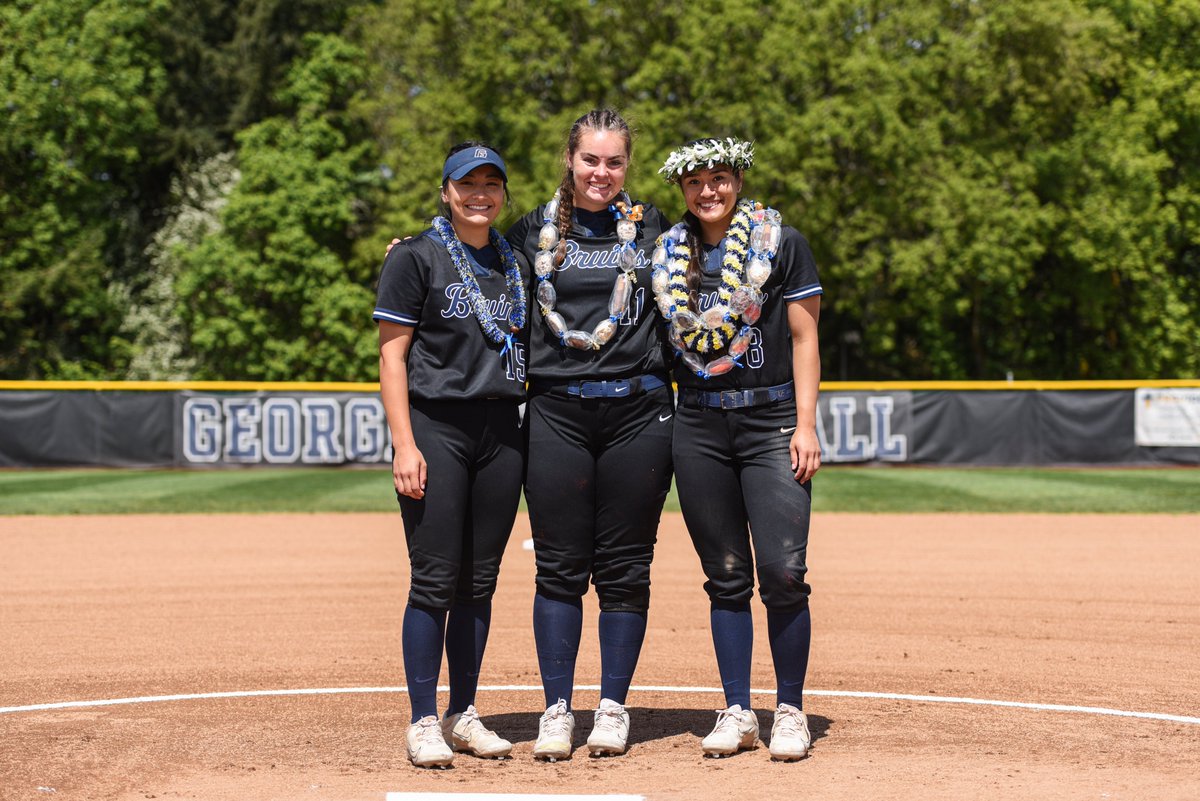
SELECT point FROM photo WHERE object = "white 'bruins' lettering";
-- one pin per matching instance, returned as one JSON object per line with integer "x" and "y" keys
{"x": 597, "y": 259}
{"x": 460, "y": 304}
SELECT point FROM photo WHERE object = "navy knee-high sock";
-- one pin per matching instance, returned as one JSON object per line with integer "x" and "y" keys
{"x": 467, "y": 628}
{"x": 733, "y": 639}
{"x": 557, "y": 627}
{"x": 621, "y": 636}
{"x": 421, "y": 639}
{"x": 790, "y": 634}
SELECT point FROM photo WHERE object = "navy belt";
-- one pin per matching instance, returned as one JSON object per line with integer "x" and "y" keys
{"x": 735, "y": 398}
{"x": 612, "y": 388}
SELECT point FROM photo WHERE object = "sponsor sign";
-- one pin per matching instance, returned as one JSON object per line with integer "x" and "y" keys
{"x": 1167, "y": 417}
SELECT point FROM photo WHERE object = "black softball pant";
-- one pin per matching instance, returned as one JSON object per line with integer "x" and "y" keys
{"x": 736, "y": 487}
{"x": 474, "y": 453}
{"x": 597, "y": 475}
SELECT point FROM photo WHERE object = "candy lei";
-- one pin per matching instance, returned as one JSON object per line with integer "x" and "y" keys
{"x": 479, "y": 304}
{"x": 543, "y": 267}
{"x": 750, "y": 245}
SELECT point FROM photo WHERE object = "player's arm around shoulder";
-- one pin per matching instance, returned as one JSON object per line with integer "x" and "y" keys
{"x": 406, "y": 241}
{"x": 519, "y": 232}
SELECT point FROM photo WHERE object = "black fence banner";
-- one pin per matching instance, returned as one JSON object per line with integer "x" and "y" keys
{"x": 229, "y": 424}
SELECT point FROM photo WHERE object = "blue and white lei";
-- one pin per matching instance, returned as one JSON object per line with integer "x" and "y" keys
{"x": 479, "y": 304}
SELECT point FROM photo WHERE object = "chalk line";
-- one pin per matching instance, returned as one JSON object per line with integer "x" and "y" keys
{"x": 932, "y": 699}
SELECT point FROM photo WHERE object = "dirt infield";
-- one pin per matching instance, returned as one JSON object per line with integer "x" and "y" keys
{"x": 1079, "y": 611}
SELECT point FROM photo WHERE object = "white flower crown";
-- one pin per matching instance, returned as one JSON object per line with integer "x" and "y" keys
{"x": 706, "y": 153}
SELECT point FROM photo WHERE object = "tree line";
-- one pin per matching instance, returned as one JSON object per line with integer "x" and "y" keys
{"x": 204, "y": 189}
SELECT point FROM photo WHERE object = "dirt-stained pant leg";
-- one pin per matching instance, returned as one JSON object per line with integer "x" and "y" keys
{"x": 735, "y": 486}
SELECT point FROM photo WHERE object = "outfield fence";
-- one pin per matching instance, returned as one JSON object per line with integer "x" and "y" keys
{"x": 207, "y": 424}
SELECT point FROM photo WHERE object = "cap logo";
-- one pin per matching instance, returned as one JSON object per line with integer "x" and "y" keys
{"x": 481, "y": 153}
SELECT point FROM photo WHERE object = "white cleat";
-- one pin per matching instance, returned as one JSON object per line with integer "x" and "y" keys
{"x": 736, "y": 730}
{"x": 790, "y": 738}
{"x": 555, "y": 731}
{"x": 611, "y": 730}
{"x": 426, "y": 746}
{"x": 465, "y": 732}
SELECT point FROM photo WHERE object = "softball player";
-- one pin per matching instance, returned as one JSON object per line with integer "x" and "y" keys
{"x": 741, "y": 294}
{"x": 599, "y": 426}
{"x": 451, "y": 309}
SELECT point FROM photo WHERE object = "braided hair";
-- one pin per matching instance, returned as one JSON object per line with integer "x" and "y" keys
{"x": 695, "y": 248}
{"x": 599, "y": 119}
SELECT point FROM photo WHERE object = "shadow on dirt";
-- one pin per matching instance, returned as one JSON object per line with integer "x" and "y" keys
{"x": 645, "y": 725}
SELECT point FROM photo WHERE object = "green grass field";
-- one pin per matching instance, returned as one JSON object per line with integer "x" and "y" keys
{"x": 836, "y": 489}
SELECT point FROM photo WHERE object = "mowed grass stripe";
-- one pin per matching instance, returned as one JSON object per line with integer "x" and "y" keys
{"x": 195, "y": 491}
{"x": 295, "y": 491}
{"x": 837, "y": 489}
{"x": 919, "y": 489}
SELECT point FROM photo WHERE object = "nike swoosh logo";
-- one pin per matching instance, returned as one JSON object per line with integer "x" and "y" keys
{"x": 787, "y": 430}
{"x": 664, "y": 418}
{"x": 619, "y": 390}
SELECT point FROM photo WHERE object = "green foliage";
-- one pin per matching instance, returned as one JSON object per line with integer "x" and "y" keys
{"x": 1152, "y": 151}
{"x": 988, "y": 187}
{"x": 224, "y": 60}
{"x": 269, "y": 296}
{"x": 442, "y": 81}
{"x": 984, "y": 184}
{"x": 80, "y": 84}
{"x": 159, "y": 343}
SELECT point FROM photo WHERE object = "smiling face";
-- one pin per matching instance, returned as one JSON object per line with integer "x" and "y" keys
{"x": 475, "y": 200}
{"x": 599, "y": 164}
{"x": 711, "y": 195}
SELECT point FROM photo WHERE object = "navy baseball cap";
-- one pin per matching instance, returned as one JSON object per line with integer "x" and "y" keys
{"x": 467, "y": 159}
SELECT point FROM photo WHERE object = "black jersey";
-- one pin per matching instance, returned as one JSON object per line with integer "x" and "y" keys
{"x": 584, "y": 283}
{"x": 768, "y": 362}
{"x": 450, "y": 357}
